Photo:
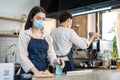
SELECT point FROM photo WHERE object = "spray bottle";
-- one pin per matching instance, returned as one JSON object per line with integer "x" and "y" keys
{"x": 59, "y": 70}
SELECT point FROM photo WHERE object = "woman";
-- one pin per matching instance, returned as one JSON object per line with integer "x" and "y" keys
{"x": 35, "y": 45}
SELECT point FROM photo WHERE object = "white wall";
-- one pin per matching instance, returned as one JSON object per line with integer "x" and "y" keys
{"x": 15, "y": 9}
{"x": 50, "y": 24}
{"x": 91, "y": 23}
{"x": 5, "y": 43}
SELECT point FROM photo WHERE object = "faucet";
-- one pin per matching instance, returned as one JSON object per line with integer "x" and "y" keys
{"x": 13, "y": 53}
{"x": 13, "y": 45}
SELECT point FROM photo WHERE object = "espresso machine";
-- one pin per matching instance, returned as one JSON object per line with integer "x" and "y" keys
{"x": 90, "y": 54}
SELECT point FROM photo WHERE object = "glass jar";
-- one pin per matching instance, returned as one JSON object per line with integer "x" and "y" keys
{"x": 106, "y": 59}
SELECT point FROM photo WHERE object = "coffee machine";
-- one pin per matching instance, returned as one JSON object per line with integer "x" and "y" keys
{"x": 90, "y": 54}
{"x": 94, "y": 47}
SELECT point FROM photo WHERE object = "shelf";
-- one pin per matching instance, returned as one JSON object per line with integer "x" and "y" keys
{"x": 10, "y": 35}
{"x": 13, "y": 19}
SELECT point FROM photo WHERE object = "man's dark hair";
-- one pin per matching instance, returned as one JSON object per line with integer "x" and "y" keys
{"x": 64, "y": 15}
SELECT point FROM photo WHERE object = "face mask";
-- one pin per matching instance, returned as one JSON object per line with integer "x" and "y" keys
{"x": 70, "y": 26}
{"x": 39, "y": 24}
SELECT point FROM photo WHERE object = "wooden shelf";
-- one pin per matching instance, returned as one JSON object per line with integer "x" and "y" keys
{"x": 12, "y": 19}
{"x": 8, "y": 35}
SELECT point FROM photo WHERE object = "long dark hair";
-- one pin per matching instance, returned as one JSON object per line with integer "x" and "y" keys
{"x": 32, "y": 13}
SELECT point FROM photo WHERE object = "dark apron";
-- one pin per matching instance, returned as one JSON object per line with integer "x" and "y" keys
{"x": 69, "y": 65}
{"x": 37, "y": 53}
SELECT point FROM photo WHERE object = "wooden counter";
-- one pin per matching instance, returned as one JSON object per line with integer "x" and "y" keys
{"x": 96, "y": 74}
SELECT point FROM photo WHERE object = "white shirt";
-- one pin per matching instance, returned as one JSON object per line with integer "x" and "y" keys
{"x": 23, "y": 41}
{"x": 63, "y": 38}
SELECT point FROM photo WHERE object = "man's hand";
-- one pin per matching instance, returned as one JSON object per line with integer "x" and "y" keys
{"x": 96, "y": 35}
{"x": 62, "y": 63}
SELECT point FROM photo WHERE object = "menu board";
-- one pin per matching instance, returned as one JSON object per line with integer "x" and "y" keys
{"x": 6, "y": 71}
{"x": 117, "y": 32}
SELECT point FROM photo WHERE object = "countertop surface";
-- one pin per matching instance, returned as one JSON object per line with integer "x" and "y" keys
{"x": 95, "y": 74}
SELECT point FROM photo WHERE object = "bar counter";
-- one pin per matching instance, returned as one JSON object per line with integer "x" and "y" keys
{"x": 95, "y": 74}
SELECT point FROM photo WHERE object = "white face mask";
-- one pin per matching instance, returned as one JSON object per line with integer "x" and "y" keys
{"x": 70, "y": 26}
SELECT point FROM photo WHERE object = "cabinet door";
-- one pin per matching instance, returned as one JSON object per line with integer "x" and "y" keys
{"x": 81, "y": 28}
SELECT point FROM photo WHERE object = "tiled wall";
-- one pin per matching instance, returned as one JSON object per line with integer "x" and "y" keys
{"x": 5, "y": 43}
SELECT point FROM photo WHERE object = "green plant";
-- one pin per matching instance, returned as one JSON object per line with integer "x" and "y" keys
{"x": 114, "y": 53}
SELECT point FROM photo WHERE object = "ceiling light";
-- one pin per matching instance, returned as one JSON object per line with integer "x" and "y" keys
{"x": 91, "y": 11}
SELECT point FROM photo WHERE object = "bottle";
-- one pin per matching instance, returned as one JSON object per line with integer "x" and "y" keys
{"x": 59, "y": 70}
{"x": 117, "y": 63}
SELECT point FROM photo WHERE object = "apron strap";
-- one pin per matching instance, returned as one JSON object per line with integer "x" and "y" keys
{"x": 70, "y": 56}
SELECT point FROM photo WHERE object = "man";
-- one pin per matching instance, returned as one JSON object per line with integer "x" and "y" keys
{"x": 64, "y": 37}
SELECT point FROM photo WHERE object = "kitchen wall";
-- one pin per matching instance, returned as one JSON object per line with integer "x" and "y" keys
{"x": 15, "y": 9}
{"x": 50, "y": 24}
{"x": 8, "y": 46}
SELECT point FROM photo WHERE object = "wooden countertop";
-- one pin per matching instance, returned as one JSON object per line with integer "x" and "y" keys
{"x": 96, "y": 74}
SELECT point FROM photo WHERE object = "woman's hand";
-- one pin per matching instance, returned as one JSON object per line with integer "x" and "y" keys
{"x": 61, "y": 63}
{"x": 38, "y": 73}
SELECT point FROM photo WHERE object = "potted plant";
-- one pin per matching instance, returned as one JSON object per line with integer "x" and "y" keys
{"x": 114, "y": 53}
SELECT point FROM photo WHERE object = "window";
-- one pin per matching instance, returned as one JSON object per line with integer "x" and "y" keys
{"x": 108, "y": 21}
